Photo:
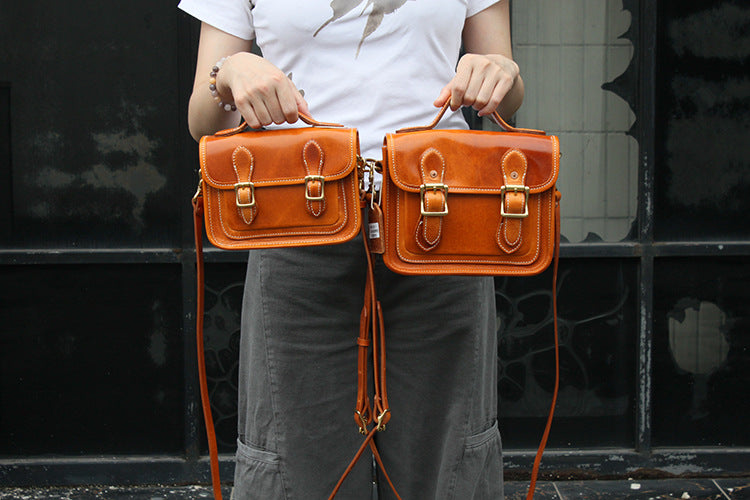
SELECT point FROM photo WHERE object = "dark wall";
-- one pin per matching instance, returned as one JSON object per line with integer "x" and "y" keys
{"x": 96, "y": 103}
{"x": 702, "y": 193}
{"x": 703, "y": 120}
{"x": 94, "y": 158}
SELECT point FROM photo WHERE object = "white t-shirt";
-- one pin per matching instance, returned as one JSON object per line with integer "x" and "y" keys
{"x": 376, "y": 65}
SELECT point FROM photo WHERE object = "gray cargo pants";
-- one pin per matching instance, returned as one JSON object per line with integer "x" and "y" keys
{"x": 298, "y": 373}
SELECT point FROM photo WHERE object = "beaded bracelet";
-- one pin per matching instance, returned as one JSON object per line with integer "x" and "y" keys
{"x": 212, "y": 86}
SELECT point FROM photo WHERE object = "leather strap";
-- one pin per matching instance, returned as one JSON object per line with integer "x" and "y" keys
{"x": 313, "y": 159}
{"x": 244, "y": 191}
{"x": 205, "y": 401}
{"x": 371, "y": 332}
{"x": 433, "y": 199}
{"x": 543, "y": 444}
{"x": 515, "y": 203}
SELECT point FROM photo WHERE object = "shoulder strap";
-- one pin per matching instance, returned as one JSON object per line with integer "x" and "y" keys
{"x": 371, "y": 321}
{"x": 543, "y": 444}
{"x": 205, "y": 401}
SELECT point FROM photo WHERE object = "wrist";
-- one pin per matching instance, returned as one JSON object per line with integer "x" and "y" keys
{"x": 219, "y": 96}
{"x": 507, "y": 64}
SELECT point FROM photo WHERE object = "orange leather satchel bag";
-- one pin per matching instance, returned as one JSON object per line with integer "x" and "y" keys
{"x": 276, "y": 188}
{"x": 272, "y": 189}
{"x": 285, "y": 188}
{"x": 470, "y": 202}
{"x": 473, "y": 202}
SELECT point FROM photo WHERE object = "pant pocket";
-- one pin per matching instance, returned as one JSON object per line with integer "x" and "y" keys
{"x": 257, "y": 474}
{"x": 480, "y": 474}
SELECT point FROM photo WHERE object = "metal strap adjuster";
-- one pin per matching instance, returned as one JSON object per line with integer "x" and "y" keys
{"x": 237, "y": 188}
{"x": 433, "y": 187}
{"x": 517, "y": 188}
{"x": 380, "y": 424}
{"x": 310, "y": 178}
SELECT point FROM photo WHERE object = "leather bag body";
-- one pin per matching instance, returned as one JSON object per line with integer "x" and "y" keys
{"x": 278, "y": 188}
{"x": 470, "y": 202}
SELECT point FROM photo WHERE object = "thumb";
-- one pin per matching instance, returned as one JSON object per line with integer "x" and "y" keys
{"x": 445, "y": 94}
{"x": 301, "y": 103}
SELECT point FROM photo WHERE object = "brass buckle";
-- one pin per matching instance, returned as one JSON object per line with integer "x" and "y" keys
{"x": 237, "y": 187}
{"x": 433, "y": 187}
{"x": 310, "y": 197}
{"x": 515, "y": 188}
{"x": 361, "y": 169}
{"x": 199, "y": 190}
{"x": 369, "y": 166}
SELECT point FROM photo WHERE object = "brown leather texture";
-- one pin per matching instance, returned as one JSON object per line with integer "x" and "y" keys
{"x": 277, "y": 188}
{"x": 469, "y": 202}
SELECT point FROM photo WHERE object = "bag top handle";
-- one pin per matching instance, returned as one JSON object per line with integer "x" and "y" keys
{"x": 495, "y": 116}
{"x": 315, "y": 123}
{"x": 302, "y": 116}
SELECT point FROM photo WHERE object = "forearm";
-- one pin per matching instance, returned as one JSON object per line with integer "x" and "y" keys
{"x": 204, "y": 114}
{"x": 487, "y": 77}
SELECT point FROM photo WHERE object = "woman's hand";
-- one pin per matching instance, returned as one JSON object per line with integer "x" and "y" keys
{"x": 262, "y": 93}
{"x": 489, "y": 82}
{"x": 481, "y": 81}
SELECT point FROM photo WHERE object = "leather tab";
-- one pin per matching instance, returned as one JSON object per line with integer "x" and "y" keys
{"x": 430, "y": 227}
{"x": 375, "y": 229}
{"x": 514, "y": 167}
{"x": 312, "y": 156}
{"x": 244, "y": 164}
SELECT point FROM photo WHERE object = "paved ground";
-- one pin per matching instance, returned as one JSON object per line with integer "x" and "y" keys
{"x": 695, "y": 489}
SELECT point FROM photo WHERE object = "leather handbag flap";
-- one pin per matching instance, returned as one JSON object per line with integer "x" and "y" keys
{"x": 278, "y": 157}
{"x": 447, "y": 151}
